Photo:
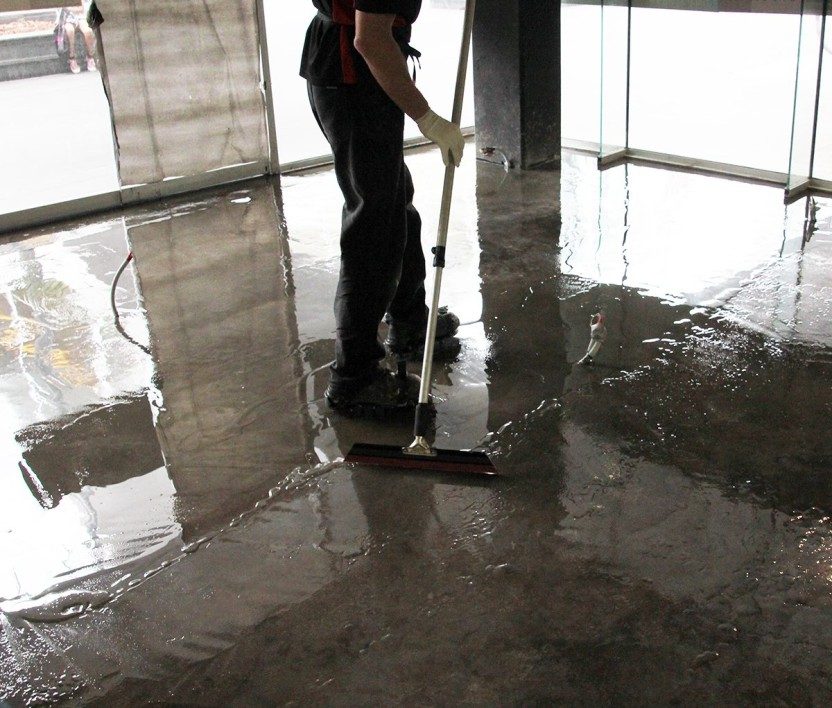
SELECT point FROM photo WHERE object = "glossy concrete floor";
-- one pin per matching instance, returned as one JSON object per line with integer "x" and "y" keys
{"x": 177, "y": 524}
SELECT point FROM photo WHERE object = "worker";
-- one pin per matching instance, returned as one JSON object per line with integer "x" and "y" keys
{"x": 355, "y": 62}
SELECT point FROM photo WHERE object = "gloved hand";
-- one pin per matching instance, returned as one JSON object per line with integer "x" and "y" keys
{"x": 445, "y": 134}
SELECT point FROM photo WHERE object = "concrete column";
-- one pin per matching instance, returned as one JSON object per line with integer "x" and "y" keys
{"x": 516, "y": 46}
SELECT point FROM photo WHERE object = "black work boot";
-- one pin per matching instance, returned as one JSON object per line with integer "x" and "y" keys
{"x": 379, "y": 395}
{"x": 407, "y": 341}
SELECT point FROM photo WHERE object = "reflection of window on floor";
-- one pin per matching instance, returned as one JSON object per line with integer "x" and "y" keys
{"x": 68, "y": 375}
{"x": 59, "y": 350}
{"x": 85, "y": 531}
{"x": 57, "y": 142}
{"x": 436, "y": 34}
{"x": 683, "y": 238}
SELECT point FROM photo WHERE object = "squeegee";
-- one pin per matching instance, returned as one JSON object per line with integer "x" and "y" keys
{"x": 420, "y": 454}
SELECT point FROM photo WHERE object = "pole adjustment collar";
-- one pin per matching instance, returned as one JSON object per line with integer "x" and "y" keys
{"x": 438, "y": 256}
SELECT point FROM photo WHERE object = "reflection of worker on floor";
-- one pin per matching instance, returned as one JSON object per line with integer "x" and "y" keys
{"x": 74, "y": 21}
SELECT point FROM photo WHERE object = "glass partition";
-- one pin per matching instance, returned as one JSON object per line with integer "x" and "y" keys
{"x": 744, "y": 86}
{"x": 823, "y": 136}
{"x": 717, "y": 86}
{"x": 580, "y": 71}
{"x": 729, "y": 81}
{"x": 805, "y": 105}
{"x": 436, "y": 34}
{"x": 55, "y": 127}
{"x": 615, "y": 58}
{"x": 179, "y": 90}
{"x": 298, "y": 136}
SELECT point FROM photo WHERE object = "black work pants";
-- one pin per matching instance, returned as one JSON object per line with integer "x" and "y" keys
{"x": 382, "y": 263}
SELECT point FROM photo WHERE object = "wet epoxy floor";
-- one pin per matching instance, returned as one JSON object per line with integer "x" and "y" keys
{"x": 178, "y": 526}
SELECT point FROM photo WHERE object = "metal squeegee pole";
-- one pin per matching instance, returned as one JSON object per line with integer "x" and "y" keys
{"x": 445, "y": 207}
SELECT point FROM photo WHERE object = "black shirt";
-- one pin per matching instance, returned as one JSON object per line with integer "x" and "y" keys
{"x": 329, "y": 58}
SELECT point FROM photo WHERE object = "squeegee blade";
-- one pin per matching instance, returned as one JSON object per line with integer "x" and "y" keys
{"x": 454, "y": 461}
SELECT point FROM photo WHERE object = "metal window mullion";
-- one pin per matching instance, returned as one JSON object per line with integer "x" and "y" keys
{"x": 268, "y": 95}
{"x": 824, "y": 10}
{"x": 627, "y": 96}
{"x": 796, "y": 94}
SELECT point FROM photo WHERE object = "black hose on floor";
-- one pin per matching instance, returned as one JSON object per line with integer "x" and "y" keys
{"x": 115, "y": 283}
{"x": 117, "y": 321}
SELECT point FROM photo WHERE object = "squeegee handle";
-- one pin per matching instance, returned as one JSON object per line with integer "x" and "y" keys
{"x": 445, "y": 207}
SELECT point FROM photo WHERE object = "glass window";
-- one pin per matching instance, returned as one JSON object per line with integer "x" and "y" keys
{"x": 614, "y": 50}
{"x": 714, "y": 85}
{"x": 298, "y": 136}
{"x": 436, "y": 34}
{"x": 581, "y": 71}
{"x": 806, "y": 93}
{"x": 56, "y": 130}
{"x": 823, "y": 140}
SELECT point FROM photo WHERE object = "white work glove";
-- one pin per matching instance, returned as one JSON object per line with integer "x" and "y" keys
{"x": 445, "y": 134}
